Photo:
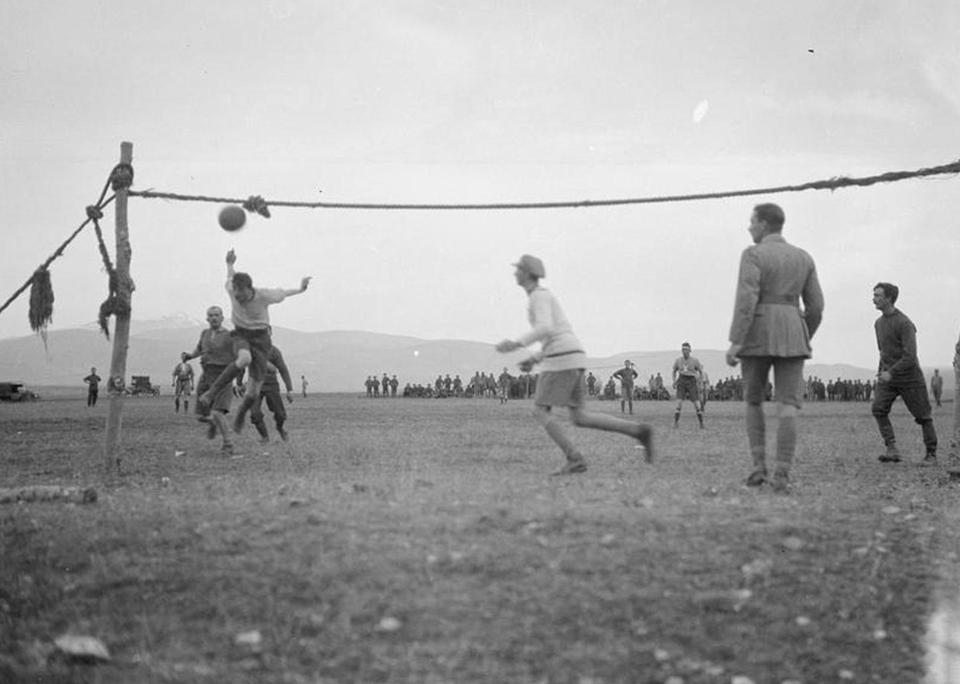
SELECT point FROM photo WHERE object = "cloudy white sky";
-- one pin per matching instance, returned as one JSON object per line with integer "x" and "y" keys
{"x": 469, "y": 101}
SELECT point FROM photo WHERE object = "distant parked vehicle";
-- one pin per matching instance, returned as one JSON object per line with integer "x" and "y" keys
{"x": 13, "y": 391}
{"x": 140, "y": 385}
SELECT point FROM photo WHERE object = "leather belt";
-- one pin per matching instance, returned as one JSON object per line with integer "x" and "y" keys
{"x": 789, "y": 300}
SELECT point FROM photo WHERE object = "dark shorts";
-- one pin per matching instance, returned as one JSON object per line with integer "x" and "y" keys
{"x": 560, "y": 388}
{"x": 688, "y": 388}
{"x": 182, "y": 387}
{"x": 221, "y": 402}
{"x": 258, "y": 343}
{"x": 787, "y": 378}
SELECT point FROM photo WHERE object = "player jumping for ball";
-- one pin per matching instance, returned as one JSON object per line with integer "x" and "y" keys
{"x": 561, "y": 380}
{"x": 251, "y": 332}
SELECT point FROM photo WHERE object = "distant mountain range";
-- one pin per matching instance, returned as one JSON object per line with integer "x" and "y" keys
{"x": 332, "y": 361}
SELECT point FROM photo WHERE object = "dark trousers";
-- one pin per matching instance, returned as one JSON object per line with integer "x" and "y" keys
{"x": 275, "y": 404}
{"x": 91, "y": 398}
{"x": 918, "y": 403}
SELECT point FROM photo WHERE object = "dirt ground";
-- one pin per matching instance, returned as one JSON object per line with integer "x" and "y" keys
{"x": 415, "y": 540}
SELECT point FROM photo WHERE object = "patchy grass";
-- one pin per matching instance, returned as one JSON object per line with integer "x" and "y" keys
{"x": 440, "y": 514}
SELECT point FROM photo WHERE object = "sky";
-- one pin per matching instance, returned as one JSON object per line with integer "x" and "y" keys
{"x": 475, "y": 102}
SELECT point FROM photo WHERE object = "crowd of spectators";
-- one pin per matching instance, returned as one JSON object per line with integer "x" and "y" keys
{"x": 839, "y": 390}
{"x": 731, "y": 389}
{"x": 521, "y": 386}
{"x": 481, "y": 386}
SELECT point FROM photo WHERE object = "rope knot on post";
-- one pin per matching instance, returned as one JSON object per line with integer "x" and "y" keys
{"x": 94, "y": 213}
{"x": 121, "y": 177}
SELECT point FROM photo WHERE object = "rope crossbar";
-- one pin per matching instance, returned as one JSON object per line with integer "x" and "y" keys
{"x": 828, "y": 184}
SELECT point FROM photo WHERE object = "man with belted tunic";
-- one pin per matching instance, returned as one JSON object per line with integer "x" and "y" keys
{"x": 770, "y": 329}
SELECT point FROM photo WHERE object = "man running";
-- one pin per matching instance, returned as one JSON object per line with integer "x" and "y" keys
{"x": 561, "y": 379}
{"x": 215, "y": 349}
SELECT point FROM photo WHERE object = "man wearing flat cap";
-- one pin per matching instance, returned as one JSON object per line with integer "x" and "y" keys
{"x": 561, "y": 380}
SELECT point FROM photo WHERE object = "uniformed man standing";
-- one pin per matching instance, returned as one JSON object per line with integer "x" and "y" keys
{"x": 770, "y": 329}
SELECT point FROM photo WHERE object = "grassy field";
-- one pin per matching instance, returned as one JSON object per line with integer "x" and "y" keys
{"x": 423, "y": 541}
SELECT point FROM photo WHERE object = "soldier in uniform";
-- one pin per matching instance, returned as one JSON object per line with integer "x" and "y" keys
{"x": 93, "y": 387}
{"x": 936, "y": 386}
{"x": 770, "y": 329}
{"x": 626, "y": 376}
{"x": 182, "y": 384}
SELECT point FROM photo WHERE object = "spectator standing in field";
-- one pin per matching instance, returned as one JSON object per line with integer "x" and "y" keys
{"x": 303, "y": 386}
{"x": 955, "y": 442}
{"x": 626, "y": 376}
{"x": 561, "y": 381}
{"x": 503, "y": 383}
{"x": 686, "y": 380}
{"x": 770, "y": 329}
{"x": 899, "y": 374}
{"x": 251, "y": 323}
{"x": 385, "y": 384}
{"x": 270, "y": 391}
{"x": 591, "y": 384}
{"x": 216, "y": 352}
{"x": 93, "y": 387}
{"x": 182, "y": 384}
{"x": 936, "y": 387}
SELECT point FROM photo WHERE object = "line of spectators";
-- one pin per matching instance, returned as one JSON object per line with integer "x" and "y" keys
{"x": 480, "y": 386}
{"x": 838, "y": 390}
{"x": 488, "y": 386}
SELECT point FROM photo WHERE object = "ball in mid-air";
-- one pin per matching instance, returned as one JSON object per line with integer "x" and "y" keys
{"x": 232, "y": 217}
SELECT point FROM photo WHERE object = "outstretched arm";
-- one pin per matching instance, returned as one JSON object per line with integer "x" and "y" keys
{"x": 304, "y": 282}
{"x": 284, "y": 372}
{"x": 231, "y": 260}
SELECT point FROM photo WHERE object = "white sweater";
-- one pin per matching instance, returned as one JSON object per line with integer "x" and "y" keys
{"x": 560, "y": 348}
